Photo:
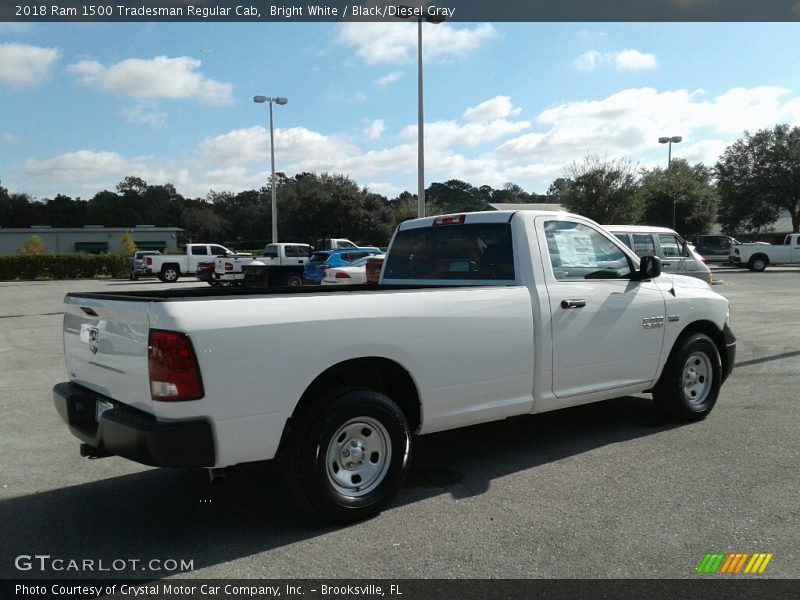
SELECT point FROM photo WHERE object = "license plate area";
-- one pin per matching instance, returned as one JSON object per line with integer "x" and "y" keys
{"x": 102, "y": 406}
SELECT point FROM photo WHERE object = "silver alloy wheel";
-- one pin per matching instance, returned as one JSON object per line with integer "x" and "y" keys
{"x": 170, "y": 274}
{"x": 358, "y": 456}
{"x": 759, "y": 264}
{"x": 697, "y": 378}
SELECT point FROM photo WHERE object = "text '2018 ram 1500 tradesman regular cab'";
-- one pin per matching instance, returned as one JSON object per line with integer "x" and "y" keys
{"x": 478, "y": 317}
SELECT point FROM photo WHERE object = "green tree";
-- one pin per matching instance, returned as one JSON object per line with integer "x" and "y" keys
{"x": 601, "y": 189}
{"x": 758, "y": 176}
{"x": 686, "y": 190}
{"x": 34, "y": 245}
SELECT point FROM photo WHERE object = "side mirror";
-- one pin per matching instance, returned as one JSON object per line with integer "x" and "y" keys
{"x": 649, "y": 268}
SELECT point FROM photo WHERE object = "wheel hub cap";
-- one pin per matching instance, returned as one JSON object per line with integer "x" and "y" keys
{"x": 358, "y": 456}
{"x": 697, "y": 378}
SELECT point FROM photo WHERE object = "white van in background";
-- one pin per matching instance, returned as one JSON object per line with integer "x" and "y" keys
{"x": 677, "y": 257}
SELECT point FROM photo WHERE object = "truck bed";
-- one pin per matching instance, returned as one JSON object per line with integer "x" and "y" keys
{"x": 205, "y": 293}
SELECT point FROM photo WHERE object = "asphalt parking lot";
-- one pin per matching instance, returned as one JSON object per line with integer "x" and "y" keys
{"x": 601, "y": 491}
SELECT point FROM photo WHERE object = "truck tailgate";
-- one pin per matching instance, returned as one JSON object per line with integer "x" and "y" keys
{"x": 105, "y": 346}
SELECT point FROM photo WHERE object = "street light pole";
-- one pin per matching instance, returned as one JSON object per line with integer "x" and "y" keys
{"x": 675, "y": 139}
{"x": 280, "y": 101}
{"x": 422, "y": 15}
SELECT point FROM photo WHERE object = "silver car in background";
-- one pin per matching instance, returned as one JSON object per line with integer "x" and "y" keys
{"x": 677, "y": 256}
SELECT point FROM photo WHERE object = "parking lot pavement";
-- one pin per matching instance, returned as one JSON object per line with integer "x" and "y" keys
{"x": 604, "y": 490}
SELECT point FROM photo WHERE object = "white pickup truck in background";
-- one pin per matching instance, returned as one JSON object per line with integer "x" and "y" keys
{"x": 170, "y": 267}
{"x": 478, "y": 317}
{"x": 282, "y": 264}
{"x": 759, "y": 256}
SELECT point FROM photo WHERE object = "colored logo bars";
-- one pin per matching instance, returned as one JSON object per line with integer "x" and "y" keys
{"x": 733, "y": 563}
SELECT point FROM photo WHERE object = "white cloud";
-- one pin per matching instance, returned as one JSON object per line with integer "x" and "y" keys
{"x": 498, "y": 107}
{"x": 22, "y": 65}
{"x": 9, "y": 138}
{"x": 633, "y": 60}
{"x": 622, "y": 60}
{"x": 387, "y": 43}
{"x": 83, "y": 164}
{"x": 157, "y": 78}
{"x": 375, "y": 129}
{"x": 389, "y": 79}
{"x": 144, "y": 115}
{"x": 589, "y": 61}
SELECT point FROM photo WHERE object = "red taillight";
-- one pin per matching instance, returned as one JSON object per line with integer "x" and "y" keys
{"x": 228, "y": 266}
{"x": 450, "y": 220}
{"x": 149, "y": 261}
{"x": 174, "y": 373}
{"x": 374, "y": 269}
{"x": 342, "y": 275}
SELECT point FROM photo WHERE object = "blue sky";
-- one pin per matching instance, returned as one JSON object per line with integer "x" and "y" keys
{"x": 86, "y": 104}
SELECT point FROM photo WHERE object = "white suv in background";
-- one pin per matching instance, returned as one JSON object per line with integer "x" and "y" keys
{"x": 677, "y": 257}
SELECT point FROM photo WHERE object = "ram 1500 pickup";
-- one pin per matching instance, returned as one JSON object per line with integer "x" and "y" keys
{"x": 478, "y": 317}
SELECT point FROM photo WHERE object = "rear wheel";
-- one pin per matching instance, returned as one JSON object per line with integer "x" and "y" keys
{"x": 294, "y": 281}
{"x": 348, "y": 454}
{"x": 758, "y": 263}
{"x": 690, "y": 383}
{"x": 170, "y": 274}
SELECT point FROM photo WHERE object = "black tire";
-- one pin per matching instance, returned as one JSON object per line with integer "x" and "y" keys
{"x": 169, "y": 274}
{"x": 690, "y": 383}
{"x": 293, "y": 281}
{"x": 758, "y": 263}
{"x": 341, "y": 426}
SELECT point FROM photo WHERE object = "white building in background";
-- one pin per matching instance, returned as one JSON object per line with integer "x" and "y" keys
{"x": 90, "y": 239}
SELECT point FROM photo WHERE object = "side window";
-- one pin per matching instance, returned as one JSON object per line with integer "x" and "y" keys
{"x": 199, "y": 251}
{"x": 356, "y": 255}
{"x": 579, "y": 252}
{"x": 624, "y": 238}
{"x": 271, "y": 251}
{"x": 291, "y": 251}
{"x": 218, "y": 251}
{"x": 643, "y": 244}
{"x": 669, "y": 245}
{"x": 346, "y": 245}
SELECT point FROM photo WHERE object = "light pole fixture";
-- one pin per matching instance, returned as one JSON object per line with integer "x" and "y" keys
{"x": 281, "y": 101}
{"x": 421, "y": 15}
{"x": 675, "y": 139}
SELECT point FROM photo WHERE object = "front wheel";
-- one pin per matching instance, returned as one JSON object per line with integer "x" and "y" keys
{"x": 348, "y": 454}
{"x": 690, "y": 383}
{"x": 758, "y": 263}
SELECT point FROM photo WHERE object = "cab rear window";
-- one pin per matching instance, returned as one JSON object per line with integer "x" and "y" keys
{"x": 473, "y": 251}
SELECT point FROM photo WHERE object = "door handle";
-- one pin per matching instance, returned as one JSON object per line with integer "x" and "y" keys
{"x": 664, "y": 264}
{"x": 573, "y": 303}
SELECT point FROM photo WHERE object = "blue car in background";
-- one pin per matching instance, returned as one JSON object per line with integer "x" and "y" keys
{"x": 322, "y": 261}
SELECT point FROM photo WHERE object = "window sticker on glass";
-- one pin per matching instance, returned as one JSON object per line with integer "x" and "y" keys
{"x": 575, "y": 248}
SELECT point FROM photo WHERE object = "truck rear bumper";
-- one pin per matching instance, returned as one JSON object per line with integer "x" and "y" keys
{"x": 133, "y": 434}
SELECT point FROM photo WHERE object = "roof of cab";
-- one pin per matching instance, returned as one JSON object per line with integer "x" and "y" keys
{"x": 488, "y": 216}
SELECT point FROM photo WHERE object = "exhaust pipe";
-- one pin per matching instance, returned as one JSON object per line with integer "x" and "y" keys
{"x": 217, "y": 476}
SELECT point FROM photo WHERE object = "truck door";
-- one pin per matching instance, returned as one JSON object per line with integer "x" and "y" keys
{"x": 607, "y": 330}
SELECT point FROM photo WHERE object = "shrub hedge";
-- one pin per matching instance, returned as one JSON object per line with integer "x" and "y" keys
{"x": 63, "y": 266}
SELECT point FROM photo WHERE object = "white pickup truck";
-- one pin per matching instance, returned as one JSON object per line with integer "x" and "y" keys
{"x": 170, "y": 267}
{"x": 282, "y": 264}
{"x": 478, "y": 317}
{"x": 758, "y": 256}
